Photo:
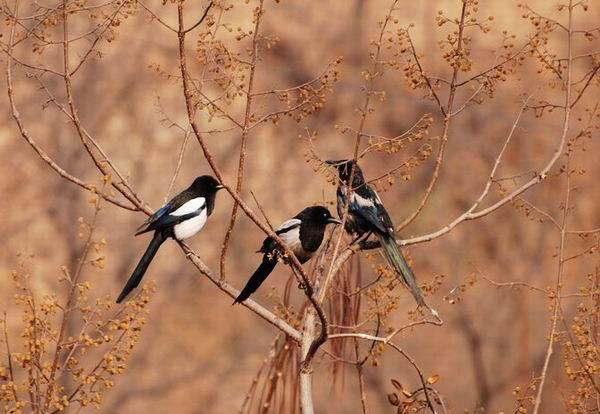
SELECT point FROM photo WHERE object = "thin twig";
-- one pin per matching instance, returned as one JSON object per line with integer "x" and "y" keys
{"x": 244, "y": 137}
{"x": 549, "y": 350}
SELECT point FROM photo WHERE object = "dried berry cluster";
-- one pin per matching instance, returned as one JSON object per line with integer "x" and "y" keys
{"x": 51, "y": 366}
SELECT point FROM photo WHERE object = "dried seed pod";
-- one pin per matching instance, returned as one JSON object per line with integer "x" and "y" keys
{"x": 393, "y": 399}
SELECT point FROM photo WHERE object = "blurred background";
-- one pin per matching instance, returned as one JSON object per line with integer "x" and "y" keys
{"x": 198, "y": 354}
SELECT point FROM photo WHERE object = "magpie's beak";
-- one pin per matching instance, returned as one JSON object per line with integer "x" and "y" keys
{"x": 333, "y": 220}
{"x": 220, "y": 187}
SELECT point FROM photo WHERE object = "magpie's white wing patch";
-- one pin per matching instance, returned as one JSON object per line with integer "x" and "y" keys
{"x": 289, "y": 232}
{"x": 287, "y": 225}
{"x": 190, "y": 206}
{"x": 361, "y": 201}
{"x": 377, "y": 197}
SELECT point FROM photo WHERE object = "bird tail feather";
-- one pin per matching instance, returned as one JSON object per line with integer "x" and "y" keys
{"x": 395, "y": 258}
{"x": 259, "y": 276}
{"x": 138, "y": 273}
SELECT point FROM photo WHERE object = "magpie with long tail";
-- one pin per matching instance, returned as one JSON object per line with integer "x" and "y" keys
{"x": 302, "y": 235}
{"x": 182, "y": 217}
{"x": 367, "y": 215}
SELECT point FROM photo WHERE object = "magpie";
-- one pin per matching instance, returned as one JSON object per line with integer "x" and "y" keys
{"x": 182, "y": 217}
{"x": 367, "y": 215}
{"x": 302, "y": 235}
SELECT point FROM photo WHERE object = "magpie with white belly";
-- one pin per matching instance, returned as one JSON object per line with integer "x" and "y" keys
{"x": 302, "y": 235}
{"x": 367, "y": 215}
{"x": 180, "y": 218}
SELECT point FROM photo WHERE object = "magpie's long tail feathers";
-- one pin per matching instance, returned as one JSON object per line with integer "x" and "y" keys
{"x": 395, "y": 258}
{"x": 259, "y": 276}
{"x": 138, "y": 273}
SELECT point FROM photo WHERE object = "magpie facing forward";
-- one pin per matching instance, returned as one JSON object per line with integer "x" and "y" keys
{"x": 366, "y": 214}
{"x": 182, "y": 217}
{"x": 302, "y": 235}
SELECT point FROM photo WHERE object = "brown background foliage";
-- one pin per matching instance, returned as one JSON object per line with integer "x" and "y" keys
{"x": 197, "y": 353}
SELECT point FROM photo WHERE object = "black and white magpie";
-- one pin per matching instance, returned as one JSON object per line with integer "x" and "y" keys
{"x": 182, "y": 217}
{"x": 302, "y": 235}
{"x": 366, "y": 214}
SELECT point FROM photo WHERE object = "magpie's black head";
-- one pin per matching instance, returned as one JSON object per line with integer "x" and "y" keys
{"x": 205, "y": 185}
{"x": 344, "y": 168}
{"x": 317, "y": 216}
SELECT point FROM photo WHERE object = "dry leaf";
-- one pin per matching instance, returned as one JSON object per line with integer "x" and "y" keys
{"x": 396, "y": 384}
{"x": 433, "y": 379}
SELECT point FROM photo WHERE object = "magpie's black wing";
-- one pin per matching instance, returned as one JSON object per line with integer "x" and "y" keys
{"x": 382, "y": 213}
{"x": 365, "y": 203}
{"x": 153, "y": 218}
{"x": 167, "y": 221}
{"x": 179, "y": 209}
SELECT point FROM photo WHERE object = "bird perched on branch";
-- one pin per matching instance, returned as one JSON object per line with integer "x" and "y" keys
{"x": 182, "y": 217}
{"x": 302, "y": 235}
{"x": 367, "y": 215}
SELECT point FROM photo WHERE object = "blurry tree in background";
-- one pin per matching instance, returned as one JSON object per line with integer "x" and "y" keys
{"x": 477, "y": 124}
